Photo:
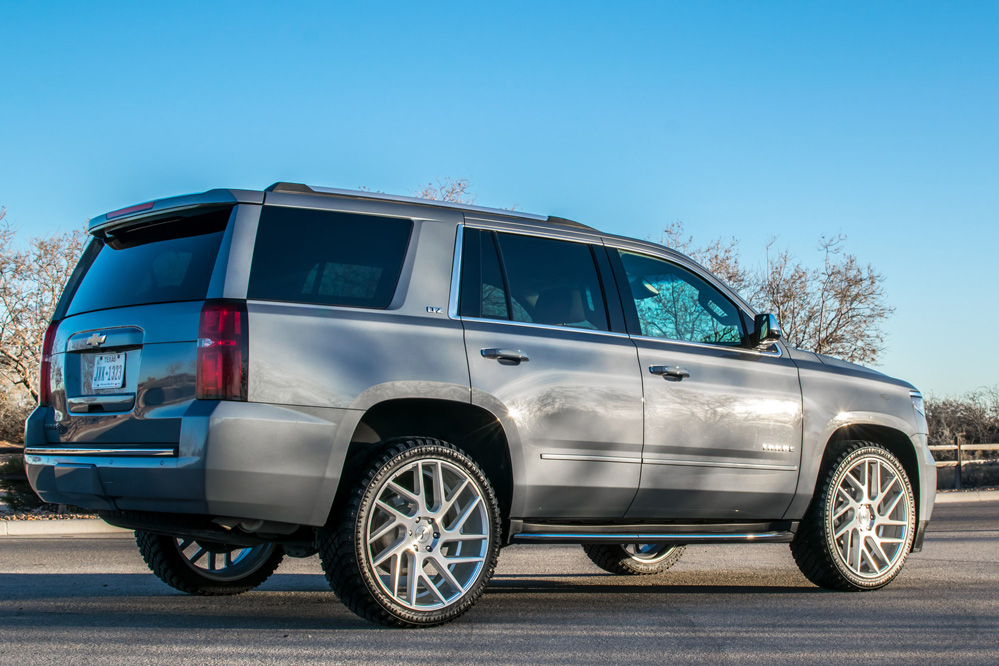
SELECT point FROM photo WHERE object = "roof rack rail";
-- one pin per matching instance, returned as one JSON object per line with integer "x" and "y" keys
{"x": 301, "y": 188}
{"x": 568, "y": 223}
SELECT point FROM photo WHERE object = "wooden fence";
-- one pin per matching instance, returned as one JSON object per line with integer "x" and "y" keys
{"x": 961, "y": 448}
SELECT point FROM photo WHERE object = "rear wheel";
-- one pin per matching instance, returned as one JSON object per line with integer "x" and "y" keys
{"x": 205, "y": 567}
{"x": 859, "y": 528}
{"x": 418, "y": 540}
{"x": 636, "y": 559}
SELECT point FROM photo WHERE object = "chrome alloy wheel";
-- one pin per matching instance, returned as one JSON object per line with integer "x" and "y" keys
{"x": 870, "y": 517}
{"x": 222, "y": 562}
{"x": 649, "y": 553}
{"x": 427, "y": 535}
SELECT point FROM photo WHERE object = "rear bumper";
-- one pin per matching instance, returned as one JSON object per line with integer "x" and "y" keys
{"x": 233, "y": 459}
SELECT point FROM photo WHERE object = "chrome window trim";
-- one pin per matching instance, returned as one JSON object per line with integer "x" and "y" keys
{"x": 569, "y": 235}
{"x": 549, "y": 327}
{"x": 586, "y": 458}
{"x": 707, "y": 345}
{"x": 726, "y": 465}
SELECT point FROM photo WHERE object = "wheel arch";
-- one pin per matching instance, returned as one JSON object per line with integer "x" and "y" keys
{"x": 473, "y": 429}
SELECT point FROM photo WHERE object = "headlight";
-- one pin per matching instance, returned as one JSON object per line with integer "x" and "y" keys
{"x": 917, "y": 402}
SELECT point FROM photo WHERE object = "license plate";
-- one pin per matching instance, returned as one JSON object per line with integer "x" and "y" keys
{"x": 109, "y": 371}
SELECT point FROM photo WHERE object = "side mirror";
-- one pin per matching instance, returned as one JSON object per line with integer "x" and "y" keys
{"x": 767, "y": 331}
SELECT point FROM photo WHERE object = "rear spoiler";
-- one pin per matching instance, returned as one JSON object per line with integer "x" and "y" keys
{"x": 182, "y": 206}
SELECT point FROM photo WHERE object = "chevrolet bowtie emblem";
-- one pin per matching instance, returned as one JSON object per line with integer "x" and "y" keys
{"x": 96, "y": 340}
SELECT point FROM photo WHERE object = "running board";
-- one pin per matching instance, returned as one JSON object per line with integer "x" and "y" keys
{"x": 769, "y": 532}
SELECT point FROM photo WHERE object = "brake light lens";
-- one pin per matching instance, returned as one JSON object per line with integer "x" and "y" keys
{"x": 45, "y": 367}
{"x": 223, "y": 351}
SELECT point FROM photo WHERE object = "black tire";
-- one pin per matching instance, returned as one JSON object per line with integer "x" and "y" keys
{"x": 176, "y": 563}
{"x": 379, "y": 577}
{"x": 634, "y": 559}
{"x": 848, "y": 540}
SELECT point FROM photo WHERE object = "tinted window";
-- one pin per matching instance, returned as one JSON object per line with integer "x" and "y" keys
{"x": 483, "y": 293}
{"x": 158, "y": 262}
{"x": 552, "y": 282}
{"x": 675, "y": 304}
{"x": 314, "y": 256}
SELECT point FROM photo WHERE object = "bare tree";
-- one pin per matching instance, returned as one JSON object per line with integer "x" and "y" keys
{"x": 837, "y": 309}
{"x": 448, "y": 189}
{"x": 31, "y": 280}
{"x": 974, "y": 417}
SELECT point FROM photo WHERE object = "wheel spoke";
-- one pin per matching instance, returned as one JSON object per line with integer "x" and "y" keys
{"x": 198, "y": 555}
{"x": 842, "y": 530}
{"x": 405, "y": 493}
{"x": 894, "y": 503}
{"x": 438, "y": 479}
{"x": 411, "y": 578}
{"x": 391, "y": 509}
{"x": 395, "y": 549}
{"x": 421, "y": 500}
{"x": 394, "y": 573}
{"x": 433, "y": 588}
{"x": 384, "y": 530}
{"x": 884, "y": 492}
{"x": 881, "y": 551}
{"x": 463, "y": 560}
{"x": 855, "y": 482}
{"x": 454, "y": 498}
{"x": 442, "y": 567}
{"x": 892, "y": 523}
{"x": 468, "y": 512}
{"x": 449, "y": 536}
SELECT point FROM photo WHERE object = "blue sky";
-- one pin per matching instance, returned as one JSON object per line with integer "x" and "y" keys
{"x": 873, "y": 119}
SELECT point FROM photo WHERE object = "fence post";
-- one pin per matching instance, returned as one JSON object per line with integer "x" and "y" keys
{"x": 958, "y": 481}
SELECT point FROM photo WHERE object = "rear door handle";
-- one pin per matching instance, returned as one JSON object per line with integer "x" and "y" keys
{"x": 670, "y": 371}
{"x": 512, "y": 355}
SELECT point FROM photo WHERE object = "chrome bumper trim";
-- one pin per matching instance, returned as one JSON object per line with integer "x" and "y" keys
{"x": 61, "y": 451}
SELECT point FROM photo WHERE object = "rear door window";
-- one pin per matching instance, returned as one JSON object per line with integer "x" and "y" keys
{"x": 327, "y": 258}
{"x": 540, "y": 281}
{"x": 159, "y": 262}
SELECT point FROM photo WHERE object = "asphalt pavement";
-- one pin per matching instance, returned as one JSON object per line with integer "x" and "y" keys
{"x": 89, "y": 599}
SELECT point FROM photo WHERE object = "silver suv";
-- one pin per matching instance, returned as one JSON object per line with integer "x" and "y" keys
{"x": 406, "y": 386}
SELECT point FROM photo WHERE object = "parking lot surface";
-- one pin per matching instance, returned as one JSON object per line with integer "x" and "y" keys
{"x": 90, "y": 600}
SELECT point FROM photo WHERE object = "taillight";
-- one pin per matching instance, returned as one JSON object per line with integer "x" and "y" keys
{"x": 45, "y": 367}
{"x": 223, "y": 350}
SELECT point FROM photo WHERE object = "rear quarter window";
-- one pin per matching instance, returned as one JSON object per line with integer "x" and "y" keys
{"x": 327, "y": 258}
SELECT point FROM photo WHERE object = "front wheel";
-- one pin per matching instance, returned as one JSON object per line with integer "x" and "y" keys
{"x": 859, "y": 528}
{"x": 418, "y": 539}
{"x": 208, "y": 568}
{"x": 636, "y": 559}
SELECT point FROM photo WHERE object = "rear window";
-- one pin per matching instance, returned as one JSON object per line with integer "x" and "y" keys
{"x": 161, "y": 262}
{"x": 327, "y": 258}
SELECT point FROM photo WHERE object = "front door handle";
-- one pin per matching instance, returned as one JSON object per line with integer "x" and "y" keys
{"x": 670, "y": 371}
{"x": 510, "y": 355}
